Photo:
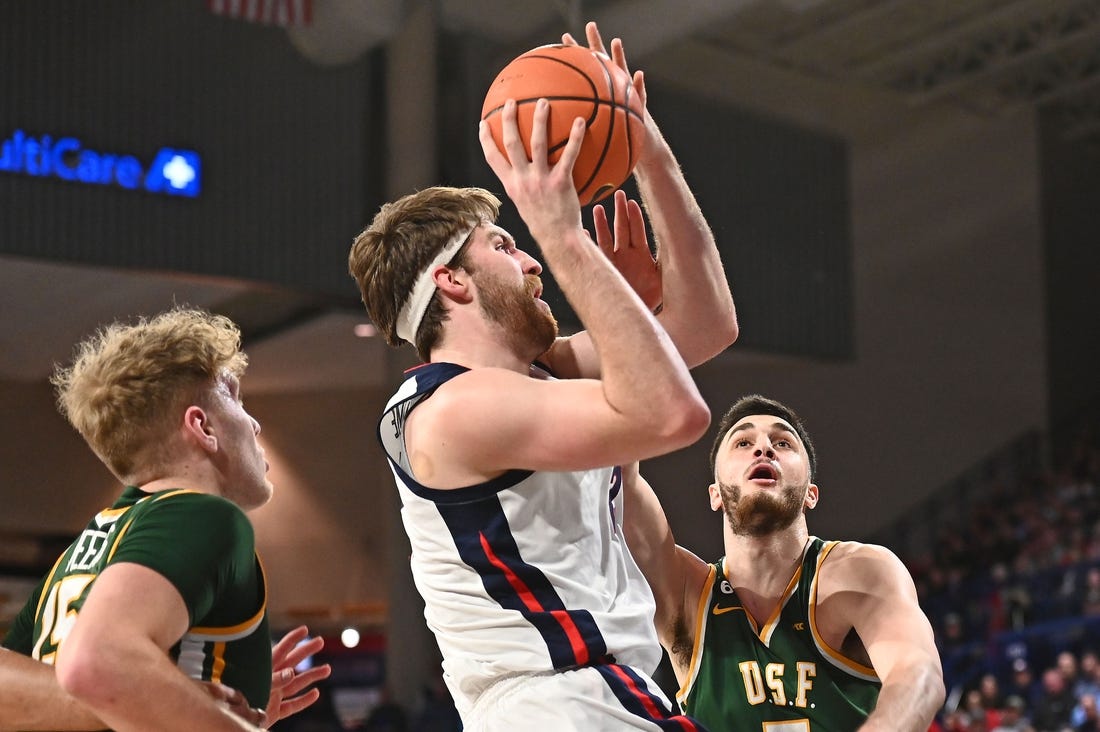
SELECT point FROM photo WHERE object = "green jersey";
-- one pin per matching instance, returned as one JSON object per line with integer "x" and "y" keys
{"x": 780, "y": 676}
{"x": 204, "y": 546}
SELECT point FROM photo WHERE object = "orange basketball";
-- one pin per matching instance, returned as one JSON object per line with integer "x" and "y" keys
{"x": 578, "y": 82}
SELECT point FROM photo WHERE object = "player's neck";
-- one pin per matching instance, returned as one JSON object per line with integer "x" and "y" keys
{"x": 198, "y": 477}
{"x": 765, "y": 561}
{"x": 480, "y": 347}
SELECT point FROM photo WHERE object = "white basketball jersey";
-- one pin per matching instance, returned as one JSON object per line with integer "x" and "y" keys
{"x": 528, "y": 572}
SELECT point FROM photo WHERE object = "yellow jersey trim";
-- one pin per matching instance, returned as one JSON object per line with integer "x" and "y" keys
{"x": 240, "y": 630}
{"x": 834, "y": 656}
{"x": 700, "y": 634}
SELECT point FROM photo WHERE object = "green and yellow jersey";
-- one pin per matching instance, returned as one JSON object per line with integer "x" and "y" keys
{"x": 779, "y": 676}
{"x": 204, "y": 545}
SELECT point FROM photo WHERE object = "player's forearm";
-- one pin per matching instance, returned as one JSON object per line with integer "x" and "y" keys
{"x": 33, "y": 700}
{"x": 908, "y": 700}
{"x": 698, "y": 310}
{"x": 139, "y": 689}
{"x": 643, "y": 376}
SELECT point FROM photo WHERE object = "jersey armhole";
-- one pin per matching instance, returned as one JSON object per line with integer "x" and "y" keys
{"x": 835, "y": 657}
{"x": 699, "y": 636}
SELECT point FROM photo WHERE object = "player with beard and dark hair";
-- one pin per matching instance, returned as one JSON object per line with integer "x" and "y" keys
{"x": 785, "y": 631}
{"x": 504, "y": 445}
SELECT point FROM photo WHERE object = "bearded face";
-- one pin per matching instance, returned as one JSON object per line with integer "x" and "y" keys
{"x": 763, "y": 512}
{"x": 528, "y": 325}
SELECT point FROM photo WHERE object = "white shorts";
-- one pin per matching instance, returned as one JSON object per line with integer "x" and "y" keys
{"x": 605, "y": 698}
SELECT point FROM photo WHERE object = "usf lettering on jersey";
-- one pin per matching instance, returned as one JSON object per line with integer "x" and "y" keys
{"x": 779, "y": 676}
{"x": 204, "y": 546}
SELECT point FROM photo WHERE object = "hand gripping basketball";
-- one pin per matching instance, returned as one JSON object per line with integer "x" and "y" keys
{"x": 577, "y": 82}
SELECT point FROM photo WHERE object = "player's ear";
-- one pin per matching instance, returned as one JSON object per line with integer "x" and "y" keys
{"x": 811, "y": 497}
{"x": 715, "y": 494}
{"x": 197, "y": 428}
{"x": 454, "y": 283}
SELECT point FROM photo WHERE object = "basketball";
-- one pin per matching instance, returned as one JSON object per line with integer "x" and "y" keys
{"x": 577, "y": 82}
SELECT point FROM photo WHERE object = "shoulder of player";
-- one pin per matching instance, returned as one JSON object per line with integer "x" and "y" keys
{"x": 462, "y": 401}
{"x": 472, "y": 389}
{"x": 690, "y": 579}
{"x": 698, "y": 576}
{"x": 855, "y": 565}
{"x": 696, "y": 572}
{"x": 210, "y": 507}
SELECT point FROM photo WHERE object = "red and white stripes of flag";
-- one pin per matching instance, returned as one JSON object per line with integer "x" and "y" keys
{"x": 284, "y": 13}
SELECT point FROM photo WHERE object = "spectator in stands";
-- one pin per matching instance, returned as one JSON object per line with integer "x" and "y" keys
{"x": 975, "y": 707}
{"x": 1022, "y": 684}
{"x": 990, "y": 690}
{"x": 957, "y": 721}
{"x": 1013, "y": 717}
{"x": 1066, "y": 663}
{"x": 1085, "y": 717}
{"x": 1055, "y": 706}
{"x": 1090, "y": 598}
{"x": 951, "y": 636}
{"x": 1088, "y": 675}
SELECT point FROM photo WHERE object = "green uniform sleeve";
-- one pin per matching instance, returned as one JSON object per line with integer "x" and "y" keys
{"x": 198, "y": 542}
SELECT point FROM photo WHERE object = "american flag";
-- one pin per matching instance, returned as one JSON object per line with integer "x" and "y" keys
{"x": 283, "y": 13}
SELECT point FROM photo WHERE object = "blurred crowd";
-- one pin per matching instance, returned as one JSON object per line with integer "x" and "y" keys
{"x": 1013, "y": 592}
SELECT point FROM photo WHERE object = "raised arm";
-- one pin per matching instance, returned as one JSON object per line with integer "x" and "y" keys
{"x": 676, "y": 575}
{"x": 121, "y": 670}
{"x": 645, "y": 402}
{"x": 697, "y": 306}
{"x": 874, "y": 593}
{"x": 698, "y": 310}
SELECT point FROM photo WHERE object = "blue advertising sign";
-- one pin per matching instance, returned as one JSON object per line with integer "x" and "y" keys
{"x": 173, "y": 172}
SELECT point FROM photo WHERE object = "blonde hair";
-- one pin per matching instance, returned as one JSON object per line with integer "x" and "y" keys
{"x": 127, "y": 382}
{"x": 404, "y": 237}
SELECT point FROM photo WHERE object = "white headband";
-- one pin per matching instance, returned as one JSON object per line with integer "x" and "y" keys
{"x": 412, "y": 312}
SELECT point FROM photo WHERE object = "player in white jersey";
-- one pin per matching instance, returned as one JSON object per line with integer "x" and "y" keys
{"x": 506, "y": 469}
{"x": 562, "y": 597}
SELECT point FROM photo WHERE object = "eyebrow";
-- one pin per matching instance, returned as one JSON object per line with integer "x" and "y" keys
{"x": 775, "y": 425}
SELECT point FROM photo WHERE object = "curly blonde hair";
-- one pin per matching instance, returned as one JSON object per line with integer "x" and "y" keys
{"x": 128, "y": 381}
{"x": 404, "y": 237}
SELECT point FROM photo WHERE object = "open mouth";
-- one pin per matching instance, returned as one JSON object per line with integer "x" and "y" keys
{"x": 763, "y": 471}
